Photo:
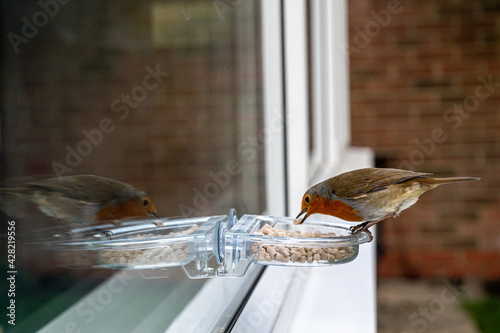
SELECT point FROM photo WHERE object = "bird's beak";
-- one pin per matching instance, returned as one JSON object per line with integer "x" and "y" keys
{"x": 153, "y": 214}
{"x": 305, "y": 216}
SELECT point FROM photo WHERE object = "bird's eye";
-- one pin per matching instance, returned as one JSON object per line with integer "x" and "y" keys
{"x": 307, "y": 199}
{"x": 145, "y": 202}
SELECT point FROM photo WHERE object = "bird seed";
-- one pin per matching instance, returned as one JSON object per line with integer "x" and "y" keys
{"x": 167, "y": 254}
{"x": 295, "y": 254}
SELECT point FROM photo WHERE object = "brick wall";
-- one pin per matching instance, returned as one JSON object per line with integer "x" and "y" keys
{"x": 425, "y": 95}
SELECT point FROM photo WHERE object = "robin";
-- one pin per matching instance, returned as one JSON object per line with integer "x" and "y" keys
{"x": 370, "y": 195}
{"x": 82, "y": 199}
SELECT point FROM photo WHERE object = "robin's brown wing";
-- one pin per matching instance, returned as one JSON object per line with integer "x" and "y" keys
{"x": 87, "y": 188}
{"x": 357, "y": 183}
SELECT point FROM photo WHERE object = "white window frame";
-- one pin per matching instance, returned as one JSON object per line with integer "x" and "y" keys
{"x": 312, "y": 299}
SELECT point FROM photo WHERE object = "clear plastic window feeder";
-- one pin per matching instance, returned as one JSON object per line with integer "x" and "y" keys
{"x": 270, "y": 240}
{"x": 214, "y": 246}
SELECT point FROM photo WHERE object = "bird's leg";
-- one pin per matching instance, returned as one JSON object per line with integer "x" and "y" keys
{"x": 365, "y": 225}
{"x": 358, "y": 227}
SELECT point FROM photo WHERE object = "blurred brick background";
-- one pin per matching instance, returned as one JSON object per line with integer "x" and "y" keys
{"x": 411, "y": 64}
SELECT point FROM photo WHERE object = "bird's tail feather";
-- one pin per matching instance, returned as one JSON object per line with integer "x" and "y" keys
{"x": 14, "y": 202}
{"x": 13, "y": 190}
{"x": 439, "y": 181}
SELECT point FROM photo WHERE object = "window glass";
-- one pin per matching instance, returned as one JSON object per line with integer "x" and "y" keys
{"x": 163, "y": 95}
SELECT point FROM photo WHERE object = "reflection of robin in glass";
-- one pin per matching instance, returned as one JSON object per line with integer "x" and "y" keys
{"x": 83, "y": 199}
{"x": 369, "y": 195}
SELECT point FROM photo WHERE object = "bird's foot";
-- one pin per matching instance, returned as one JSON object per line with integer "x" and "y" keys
{"x": 356, "y": 229}
{"x": 369, "y": 233}
{"x": 365, "y": 225}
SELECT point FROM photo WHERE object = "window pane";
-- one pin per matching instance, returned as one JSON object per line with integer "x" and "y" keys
{"x": 164, "y": 95}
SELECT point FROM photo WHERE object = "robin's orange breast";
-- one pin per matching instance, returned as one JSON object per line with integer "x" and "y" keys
{"x": 123, "y": 211}
{"x": 339, "y": 209}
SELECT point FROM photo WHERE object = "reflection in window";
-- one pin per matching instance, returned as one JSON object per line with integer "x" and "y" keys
{"x": 163, "y": 95}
